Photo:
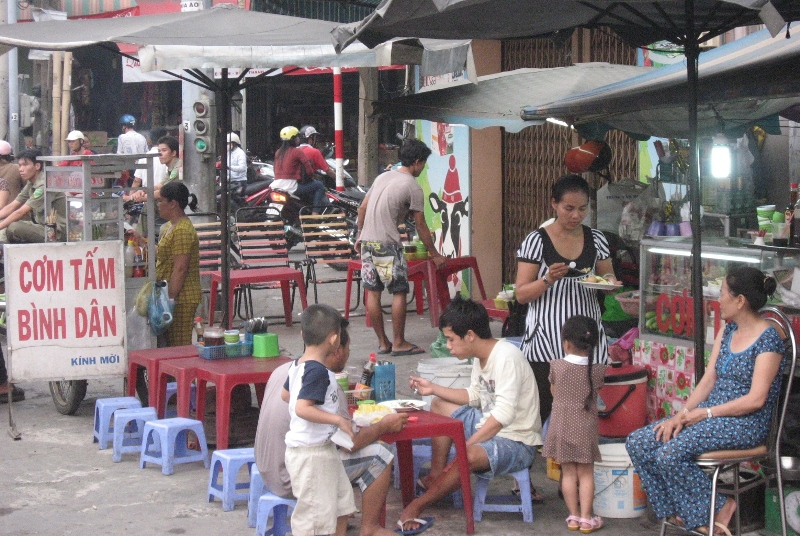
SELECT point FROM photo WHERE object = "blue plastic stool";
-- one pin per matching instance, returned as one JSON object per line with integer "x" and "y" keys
{"x": 104, "y": 410}
{"x": 229, "y": 462}
{"x": 422, "y": 453}
{"x": 164, "y": 443}
{"x": 270, "y": 505}
{"x": 257, "y": 489}
{"x": 172, "y": 390}
{"x": 128, "y": 439}
{"x": 509, "y": 503}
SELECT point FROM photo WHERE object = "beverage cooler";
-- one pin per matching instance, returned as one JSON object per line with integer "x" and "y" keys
{"x": 665, "y": 345}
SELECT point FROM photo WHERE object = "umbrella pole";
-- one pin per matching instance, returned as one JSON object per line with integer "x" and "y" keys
{"x": 692, "y": 52}
{"x": 223, "y": 117}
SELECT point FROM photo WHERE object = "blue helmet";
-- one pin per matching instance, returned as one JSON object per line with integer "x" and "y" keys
{"x": 127, "y": 120}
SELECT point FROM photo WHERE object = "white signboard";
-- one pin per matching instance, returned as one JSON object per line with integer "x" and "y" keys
{"x": 65, "y": 310}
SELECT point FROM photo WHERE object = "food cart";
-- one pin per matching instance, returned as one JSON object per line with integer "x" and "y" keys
{"x": 95, "y": 213}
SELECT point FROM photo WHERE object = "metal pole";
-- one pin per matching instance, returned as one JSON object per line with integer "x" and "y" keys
{"x": 692, "y": 52}
{"x": 223, "y": 99}
{"x": 13, "y": 84}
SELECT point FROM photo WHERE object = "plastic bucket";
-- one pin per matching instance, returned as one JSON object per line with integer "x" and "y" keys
{"x": 622, "y": 401}
{"x": 617, "y": 486}
{"x": 447, "y": 371}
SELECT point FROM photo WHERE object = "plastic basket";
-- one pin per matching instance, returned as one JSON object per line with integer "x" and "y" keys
{"x": 354, "y": 395}
{"x": 242, "y": 349}
{"x": 629, "y": 301}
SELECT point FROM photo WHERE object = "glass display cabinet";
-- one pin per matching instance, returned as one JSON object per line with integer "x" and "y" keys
{"x": 666, "y": 301}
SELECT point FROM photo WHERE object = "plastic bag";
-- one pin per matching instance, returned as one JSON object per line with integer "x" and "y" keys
{"x": 138, "y": 334}
{"x": 439, "y": 347}
{"x": 160, "y": 309}
{"x": 143, "y": 299}
{"x": 620, "y": 350}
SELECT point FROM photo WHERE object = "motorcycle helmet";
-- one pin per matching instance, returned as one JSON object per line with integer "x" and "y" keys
{"x": 307, "y": 131}
{"x": 75, "y": 135}
{"x": 591, "y": 156}
{"x": 127, "y": 120}
{"x": 287, "y": 133}
{"x": 6, "y": 150}
{"x": 234, "y": 138}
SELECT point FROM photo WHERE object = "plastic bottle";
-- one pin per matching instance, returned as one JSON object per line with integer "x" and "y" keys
{"x": 199, "y": 329}
{"x": 129, "y": 259}
{"x": 368, "y": 371}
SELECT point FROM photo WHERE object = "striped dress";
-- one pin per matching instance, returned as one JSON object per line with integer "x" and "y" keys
{"x": 566, "y": 298}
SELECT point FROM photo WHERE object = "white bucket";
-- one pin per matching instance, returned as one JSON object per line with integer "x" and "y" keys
{"x": 617, "y": 486}
{"x": 447, "y": 371}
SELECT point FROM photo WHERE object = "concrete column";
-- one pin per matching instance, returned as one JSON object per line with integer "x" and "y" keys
{"x": 367, "y": 126}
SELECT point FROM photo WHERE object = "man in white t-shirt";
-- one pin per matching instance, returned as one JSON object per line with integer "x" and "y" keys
{"x": 130, "y": 141}
{"x": 499, "y": 409}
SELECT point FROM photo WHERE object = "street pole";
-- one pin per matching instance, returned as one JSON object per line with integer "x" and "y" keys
{"x": 13, "y": 84}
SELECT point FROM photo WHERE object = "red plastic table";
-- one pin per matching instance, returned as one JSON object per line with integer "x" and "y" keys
{"x": 227, "y": 374}
{"x": 432, "y": 425}
{"x": 494, "y": 312}
{"x": 439, "y": 279}
{"x": 150, "y": 360}
{"x": 184, "y": 371}
{"x": 282, "y": 275}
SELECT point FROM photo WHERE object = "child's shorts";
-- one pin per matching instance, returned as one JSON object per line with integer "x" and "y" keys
{"x": 323, "y": 491}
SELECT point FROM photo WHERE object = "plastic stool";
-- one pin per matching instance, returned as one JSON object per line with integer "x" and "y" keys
{"x": 257, "y": 489}
{"x": 510, "y": 503}
{"x": 172, "y": 390}
{"x": 104, "y": 410}
{"x": 229, "y": 462}
{"x": 128, "y": 440}
{"x": 279, "y": 509}
{"x": 164, "y": 443}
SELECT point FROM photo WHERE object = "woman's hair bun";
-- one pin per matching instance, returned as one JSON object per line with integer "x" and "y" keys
{"x": 770, "y": 285}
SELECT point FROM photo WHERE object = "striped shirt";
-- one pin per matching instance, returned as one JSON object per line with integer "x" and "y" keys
{"x": 564, "y": 299}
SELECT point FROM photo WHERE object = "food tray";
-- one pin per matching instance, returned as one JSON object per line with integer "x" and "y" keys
{"x": 629, "y": 302}
{"x": 354, "y": 395}
{"x": 242, "y": 349}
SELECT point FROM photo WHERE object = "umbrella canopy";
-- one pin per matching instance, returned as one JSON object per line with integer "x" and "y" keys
{"x": 497, "y": 100}
{"x": 732, "y": 92}
{"x": 639, "y": 22}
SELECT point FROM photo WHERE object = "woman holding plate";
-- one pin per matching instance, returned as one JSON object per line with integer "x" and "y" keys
{"x": 553, "y": 263}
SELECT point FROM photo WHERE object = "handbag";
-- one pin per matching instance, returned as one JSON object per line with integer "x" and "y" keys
{"x": 159, "y": 309}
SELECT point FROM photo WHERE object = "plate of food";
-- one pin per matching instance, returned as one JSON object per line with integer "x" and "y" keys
{"x": 598, "y": 283}
{"x": 404, "y": 405}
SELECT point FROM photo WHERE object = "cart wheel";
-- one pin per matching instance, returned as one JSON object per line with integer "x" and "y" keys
{"x": 68, "y": 395}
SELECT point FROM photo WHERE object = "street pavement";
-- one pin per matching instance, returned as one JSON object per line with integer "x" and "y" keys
{"x": 54, "y": 480}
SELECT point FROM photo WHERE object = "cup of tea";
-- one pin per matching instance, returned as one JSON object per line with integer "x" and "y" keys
{"x": 214, "y": 336}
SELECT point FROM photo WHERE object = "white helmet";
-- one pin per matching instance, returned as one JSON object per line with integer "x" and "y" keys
{"x": 234, "y": 138}
{"x": 307, "y": 131}
{"x": 75, "y": 135}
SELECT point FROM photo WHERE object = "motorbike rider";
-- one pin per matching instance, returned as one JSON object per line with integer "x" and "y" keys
{"x": 130, "y": 142}
{"x": 10, "y": 181}
{"x": 308, "y": 143}
{"x": 76, "y": 142}
{"x": 237, "y": 160}
{"x": 290, "y": 163}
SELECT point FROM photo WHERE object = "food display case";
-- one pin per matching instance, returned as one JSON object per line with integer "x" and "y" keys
{"x": 95, "y": 208}
{"x": 666, "y": 317}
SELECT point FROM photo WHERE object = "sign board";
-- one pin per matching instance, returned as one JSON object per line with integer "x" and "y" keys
{"x": 71, "y": 177}
{"x": 66, "y": 310}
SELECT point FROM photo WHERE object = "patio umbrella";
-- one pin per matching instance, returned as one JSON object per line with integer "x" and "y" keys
{"x": 227, "y": 37}
{"x": 639, "y": 22}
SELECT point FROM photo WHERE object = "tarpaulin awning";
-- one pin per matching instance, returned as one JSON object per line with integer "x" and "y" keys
{"x": 496, "y": 100}
{"x": 233, "y": 37}
{"x": 741, "y": 82}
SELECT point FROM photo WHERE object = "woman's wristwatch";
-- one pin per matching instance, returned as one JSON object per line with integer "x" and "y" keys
{"x": 708, "y": 413}
{"x": 547, "y": 283}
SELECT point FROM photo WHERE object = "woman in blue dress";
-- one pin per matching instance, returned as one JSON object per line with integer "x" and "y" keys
{"x": 731, "y": 407}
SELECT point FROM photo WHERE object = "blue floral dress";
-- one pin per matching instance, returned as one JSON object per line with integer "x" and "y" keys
{"x": 674, "y": 483}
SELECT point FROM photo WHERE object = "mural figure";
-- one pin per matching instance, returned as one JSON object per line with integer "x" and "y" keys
{"x": 453, "y": 211}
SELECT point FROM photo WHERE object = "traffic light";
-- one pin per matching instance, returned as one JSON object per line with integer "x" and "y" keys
{"x": 202, "y": 126}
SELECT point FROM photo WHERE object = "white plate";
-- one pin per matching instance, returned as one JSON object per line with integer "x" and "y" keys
{"x": 599, "y": 286}
{"x": 403, "y": 405}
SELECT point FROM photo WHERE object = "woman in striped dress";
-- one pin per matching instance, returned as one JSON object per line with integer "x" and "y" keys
{"x": 546, "y": 282}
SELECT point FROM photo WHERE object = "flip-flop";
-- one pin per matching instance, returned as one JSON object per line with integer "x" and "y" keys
{"x": 722, "y": 529}
{"x": 424, "y": 524}
{"x": 536, "y": 497}
{"x": 414, "y": 350}
{"x": 384, "y": 352}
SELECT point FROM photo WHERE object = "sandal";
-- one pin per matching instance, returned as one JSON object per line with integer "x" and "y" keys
{"x": 576, "y": 520}
{"x": 595, "y": 523}
{"x": 536, "y": 497}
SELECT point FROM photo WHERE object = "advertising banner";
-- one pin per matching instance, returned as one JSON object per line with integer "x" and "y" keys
{"x": 65, "y": 310}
